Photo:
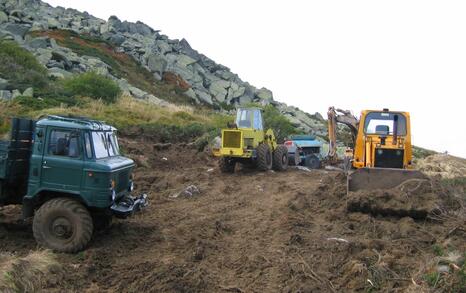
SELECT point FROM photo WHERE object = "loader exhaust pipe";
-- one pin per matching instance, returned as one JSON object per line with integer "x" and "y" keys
{"x": 395, "y": 130}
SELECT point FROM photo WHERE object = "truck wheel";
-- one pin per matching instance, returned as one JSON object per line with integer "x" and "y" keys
{"x": 63, "y": 225}
{"x": 227, "y": 165}
{"x": 264, "y": 157}
{"x": 312, "y": 162}
{"x": 280, "y": 158}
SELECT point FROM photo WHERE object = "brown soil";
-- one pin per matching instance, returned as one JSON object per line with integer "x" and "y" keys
{"x": 246, "y": 232}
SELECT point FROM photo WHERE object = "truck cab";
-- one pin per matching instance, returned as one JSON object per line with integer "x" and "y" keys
{"x": 68, "y": 173}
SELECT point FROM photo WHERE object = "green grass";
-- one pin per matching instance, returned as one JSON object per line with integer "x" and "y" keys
{"x": 93, "y": 85}
{"x": 20, "y": 67}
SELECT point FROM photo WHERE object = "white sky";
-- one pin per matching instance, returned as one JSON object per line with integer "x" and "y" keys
{"x": 402, "y": 55}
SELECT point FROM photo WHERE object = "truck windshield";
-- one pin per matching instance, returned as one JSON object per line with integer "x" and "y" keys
{"x": 384, "y": 123}
{"x": 105, "y": 144}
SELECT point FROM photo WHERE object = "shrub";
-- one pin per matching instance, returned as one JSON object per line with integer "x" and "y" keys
{"x": 281, "y": 126}
{"x": 93, "y": 85}
{"x": 20, "y": 67}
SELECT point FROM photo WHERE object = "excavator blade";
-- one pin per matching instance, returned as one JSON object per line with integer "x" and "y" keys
{"x": 391, "y": 192}
{"x": 380, "y": 178}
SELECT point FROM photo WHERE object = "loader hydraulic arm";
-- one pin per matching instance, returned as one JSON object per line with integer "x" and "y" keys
{"x": 344, "y": 117}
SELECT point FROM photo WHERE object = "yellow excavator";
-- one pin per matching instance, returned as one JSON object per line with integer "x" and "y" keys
{"x": 381, "y": 154}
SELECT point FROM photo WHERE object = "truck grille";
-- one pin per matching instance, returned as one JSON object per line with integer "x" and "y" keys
{"x": 231, "y": 139}
{"x": 389, "y": 158}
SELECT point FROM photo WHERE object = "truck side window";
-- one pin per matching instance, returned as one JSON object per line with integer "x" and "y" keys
{"x": 63, "y": 143}
{"x": 87, "y": 141}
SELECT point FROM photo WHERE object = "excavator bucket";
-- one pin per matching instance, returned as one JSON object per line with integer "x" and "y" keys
{"x": 380, "y": 178}
{"x": 391, "y": 192}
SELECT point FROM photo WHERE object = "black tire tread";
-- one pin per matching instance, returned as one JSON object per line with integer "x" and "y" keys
{"x": 262, "y": 164}
{"x": 227, "y": 165}
{"x": 278, "y": 154}
{"x": 69, "y": 204}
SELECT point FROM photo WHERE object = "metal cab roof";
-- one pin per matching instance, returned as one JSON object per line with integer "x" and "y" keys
{"x": 75, "y": 123}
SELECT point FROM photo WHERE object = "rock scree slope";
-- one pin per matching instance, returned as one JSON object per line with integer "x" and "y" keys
{"x": 55, "y": 35}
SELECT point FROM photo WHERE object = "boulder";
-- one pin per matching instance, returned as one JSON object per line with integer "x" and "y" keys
{"x": 5, "y": 95}
{"x": 264, "y": 94}
{"x": 3, "y": 84}
{"x": 3, "y": 17}
{"x": 137, "y": 93}
{"x": 29, "y": 92}
{"x": 17, "y": 29}
{"x": 58, "y": 73}
{"x": 117, "y": 39}
{"x": 219, "y": 89}
{"x": 157, "y": 63}
{"x": 15, "y": 94}
{"x": 42, "y": 42}
{"x": 156, "y": 101}
{"x": 53, "y": 23}
{"x": 163, "y": 47}
{"x": 184, "y": 60}
{"x": 204, "y": 96}
{"x": 191, "y": 94}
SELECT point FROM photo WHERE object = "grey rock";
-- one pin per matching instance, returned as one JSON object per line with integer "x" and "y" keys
{"x": 5, "y": 95}
{"x": 42, "y": 42}
{"x": 53, "y": 23}
{"x": 157, "y": 63}
{"x": 219, "y": 89}
{"x": 15, "y": 94}
{"x": 59, "y": 73}
{"x": 29, "y": 92}
{"x": 3, "y": 84}
{"x": 3, "y": 17}
{"x": 264, "y": 94}
{"x": 17, "y": 29}
{"x": 117, "y": 39}
{"x": 184, "y": 60}
{"x": 186, "y": 49}
{"x": 163, "y": 47}
{"x": 204, "y": 97}
{"x": 156, "y": 101}
{"x": 191, "y": 94}
{"x": 137, "y": 93}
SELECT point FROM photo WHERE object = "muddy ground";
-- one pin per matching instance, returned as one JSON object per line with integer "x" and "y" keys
{"x": 249, "y": 232}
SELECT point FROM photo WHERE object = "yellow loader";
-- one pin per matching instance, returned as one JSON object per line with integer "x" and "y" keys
{"x": 248, "y": 143}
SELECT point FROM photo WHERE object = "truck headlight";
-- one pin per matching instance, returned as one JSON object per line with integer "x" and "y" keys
{"x": 131, "y": 186}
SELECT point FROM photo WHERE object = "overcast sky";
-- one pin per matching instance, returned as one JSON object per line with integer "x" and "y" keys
{"x": 402, "y": 55}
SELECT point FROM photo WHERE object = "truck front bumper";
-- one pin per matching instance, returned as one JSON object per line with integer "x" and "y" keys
{"x": 129, "y": 205}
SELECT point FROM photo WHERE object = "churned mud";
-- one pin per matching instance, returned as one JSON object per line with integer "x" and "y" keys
{"x": 255, "y": 232}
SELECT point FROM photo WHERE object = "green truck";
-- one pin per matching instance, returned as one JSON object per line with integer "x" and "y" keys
{"x": 69, "y": 175}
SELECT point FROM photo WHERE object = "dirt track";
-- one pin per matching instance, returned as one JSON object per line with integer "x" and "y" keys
{"x": 247, "y": 232}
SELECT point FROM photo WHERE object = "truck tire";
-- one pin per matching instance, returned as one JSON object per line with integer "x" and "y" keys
{"x": 63, "y": 225}
{"x": 280, "y": 158}
{"x": 227, "y": 165}
{"x": 312, "y": 162}
{"x": 264, "y": 157}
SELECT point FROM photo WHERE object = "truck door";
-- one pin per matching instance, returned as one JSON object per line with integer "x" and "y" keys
{"x": 62, "y": 162}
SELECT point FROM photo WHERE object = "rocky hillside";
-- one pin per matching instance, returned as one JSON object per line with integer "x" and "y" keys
{"x": 139, "y": 58}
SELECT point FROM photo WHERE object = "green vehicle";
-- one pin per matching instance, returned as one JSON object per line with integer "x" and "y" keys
{"x": 69, "y": 175}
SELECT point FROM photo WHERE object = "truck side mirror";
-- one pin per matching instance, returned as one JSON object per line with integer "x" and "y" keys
{"x": 40, "y": 133}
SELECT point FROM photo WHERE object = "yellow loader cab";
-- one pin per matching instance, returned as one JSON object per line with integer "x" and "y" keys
{"x": 383, "y": 140}
{"x": 247, "y": 142}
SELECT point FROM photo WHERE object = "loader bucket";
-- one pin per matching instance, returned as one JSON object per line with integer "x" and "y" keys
{"x": 380, "y": 178}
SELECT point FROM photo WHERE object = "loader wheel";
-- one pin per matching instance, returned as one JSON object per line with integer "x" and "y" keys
{"x": 227, "y": 165}
{"x": 280, "y": 158}
{"x": 264, "y": 157}
{"x": 63, "y": 225}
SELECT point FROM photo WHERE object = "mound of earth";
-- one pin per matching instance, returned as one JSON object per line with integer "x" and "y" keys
{"x": 443, "y": 165}
{"x": 414, "y": 198}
